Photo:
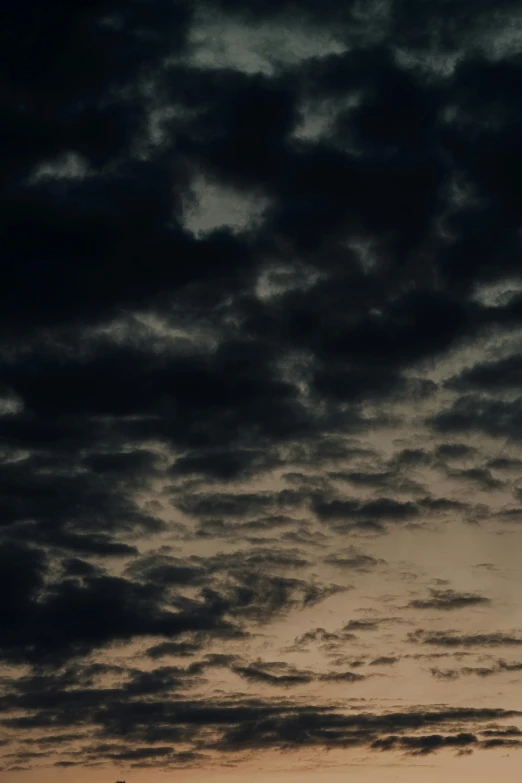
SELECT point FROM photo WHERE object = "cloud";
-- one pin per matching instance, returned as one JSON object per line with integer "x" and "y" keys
{"x": 183, "y": 648}
{"x": 448, "y": 600}
{"x": 363, "y": 625}
{"x": 502, "y": 375}
{"x": 286, "y": 679}
{"x": 454, "y": 639}
{"x": 353, "y": 559}
{"x": 373, "y": 513}
{"x": 236, "y": 725}
{"x": 454, "y": 451}
{"x": 384, "y": 660}
{"x": 263, "y": 301}
{"x": 474, "y": 413}
{"x": 232, "y": 505}
{"x": 497, "y": 667}
{"x": 422, "y": 746}
{"x": 74, "y": 617}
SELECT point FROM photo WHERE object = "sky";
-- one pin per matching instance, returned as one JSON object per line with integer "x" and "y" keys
{"x": 261, "y": 391}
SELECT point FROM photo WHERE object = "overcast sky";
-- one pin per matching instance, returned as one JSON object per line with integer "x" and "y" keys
{"x": 261, "y": 391}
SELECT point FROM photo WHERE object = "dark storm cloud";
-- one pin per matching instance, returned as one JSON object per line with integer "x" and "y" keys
{"x": 473, "y": 413}
{"x": 373, "y": 512}
{"x": 502, "y": 375}
{"x": 225, "y": 465}
{"x": 448, "y": 600}
{"x": 87, "y": 608}
{"x": 74, "y": 616}
{"x": 119, "y": 382}
{"x": 149, "y": 370}
{"x": 228, "y": 102}
{"x": 51, "y": 500}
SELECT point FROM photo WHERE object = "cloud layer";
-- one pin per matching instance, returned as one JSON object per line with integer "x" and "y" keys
{"x": 260, "y": 324}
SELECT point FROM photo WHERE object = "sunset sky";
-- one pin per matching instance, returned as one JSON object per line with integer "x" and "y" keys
{"x": 261, "y": 391}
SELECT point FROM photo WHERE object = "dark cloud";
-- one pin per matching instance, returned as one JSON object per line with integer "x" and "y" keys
{"x": 473, "y": 413}
{"x": 444, "y": 674}
{"x": 497, "y": 667}
{"x": 182, "y": 649}
{"x": 454, "y": 639}
{"x": 424, "y": 745}
{"x": 233, "y": 528}
{"x": 501, "y": 375}
{"x": 236, "y": 505}
{"x": 236, "y": 725}
{"x": 344, "y": 731}
{"x": 448, "y": 600}
{"x": 333, "y": 644}
{"x": 504, "y": 463}
{"x": 74, "y": 617}
{"x": 318, "y": 635}
{"x": 353, "y": 559}
{"x": 363, "y": 625}
{"x": 232, "y": 272}
{"x": 510, "y": 731}
{"x": 373, "y": 513}
{"x": 454, "y": 451}
{"x": 480, "y": 477}
{"x": 224, "y": 465}
{"x": 384, "y": 660}
{"x": 286, "y": 679}
{"x": 412, "y": 458}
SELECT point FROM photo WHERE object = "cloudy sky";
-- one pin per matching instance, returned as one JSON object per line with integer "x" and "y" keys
{"x": 261, "y": 391}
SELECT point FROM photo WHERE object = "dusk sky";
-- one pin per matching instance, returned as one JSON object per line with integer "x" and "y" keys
{"x": 261, "y": 391}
